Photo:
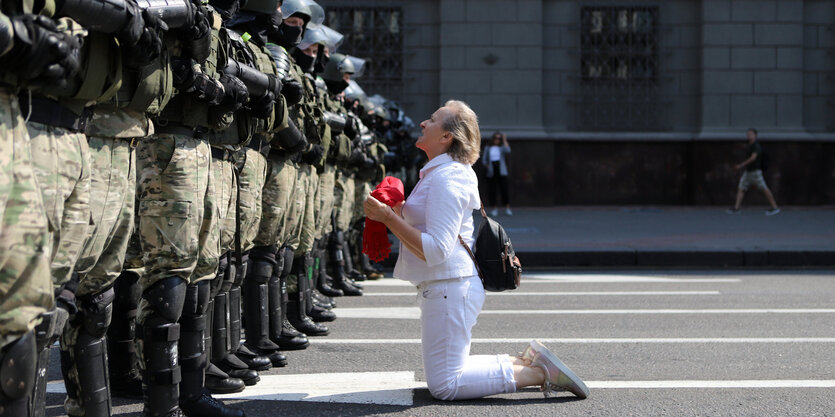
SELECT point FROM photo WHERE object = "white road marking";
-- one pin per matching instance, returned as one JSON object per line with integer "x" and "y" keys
{"x": 397, "y": 388}
{"x": 571, "y": 278}
{"x": 391, "y": 388}
{"x": 567, "y": 293}
{"x": 413, "y": 313}
{"x": 755, "y": 383}
{"x": 652, "y": 340}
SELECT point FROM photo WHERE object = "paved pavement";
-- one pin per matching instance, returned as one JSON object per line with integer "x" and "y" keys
{"x": 674, "y": 343}
{"x": 671, "y": 236}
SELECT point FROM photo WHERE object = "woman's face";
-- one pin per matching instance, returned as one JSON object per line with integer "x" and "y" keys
{"x": 497, "y": 140}
{"x": 434, "y": 140}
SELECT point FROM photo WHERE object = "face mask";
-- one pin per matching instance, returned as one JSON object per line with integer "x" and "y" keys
{"x": 304, "y": 61}
{"x": 336, "y": 87}
{"x": 226, "y": 8}
{"x": 289, "y": 36}
{"x": 321, "y": 63}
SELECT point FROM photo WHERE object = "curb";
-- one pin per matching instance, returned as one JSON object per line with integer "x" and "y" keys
{"x": 678, "y": 258}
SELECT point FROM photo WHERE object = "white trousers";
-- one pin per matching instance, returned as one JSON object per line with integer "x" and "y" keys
{"x": 448, "y": 312}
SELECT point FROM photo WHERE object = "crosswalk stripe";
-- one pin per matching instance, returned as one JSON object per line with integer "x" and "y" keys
{"x": 651, "y": 340}
{"x": 573, "y": 278}
{"x": 773, "y": 383}
{"x": 413, "y": 313}
{"x": 560, "y": 293}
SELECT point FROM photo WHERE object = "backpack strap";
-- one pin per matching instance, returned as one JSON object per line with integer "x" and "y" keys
{"x": 472, "y": 256}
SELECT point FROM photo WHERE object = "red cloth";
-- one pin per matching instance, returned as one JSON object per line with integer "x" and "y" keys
{"x": 375, "y": 239}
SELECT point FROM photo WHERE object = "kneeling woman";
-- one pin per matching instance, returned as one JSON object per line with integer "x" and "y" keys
{"x": 428, "y": 224}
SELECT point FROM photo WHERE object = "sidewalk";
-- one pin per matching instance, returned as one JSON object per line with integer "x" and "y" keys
{"x": 670, "y": 236}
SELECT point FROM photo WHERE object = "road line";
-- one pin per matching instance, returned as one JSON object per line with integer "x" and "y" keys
{"x": 397, "y": 388}
{"x": 567, "y": 293}
{"x": 772, "y": 383}
{"x": 413, "y": 313}
{"x": 572, "y": 279}
{"x": 654, "y": 340}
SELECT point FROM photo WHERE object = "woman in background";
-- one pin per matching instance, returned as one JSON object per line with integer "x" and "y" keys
{"x": 496, "y": 163}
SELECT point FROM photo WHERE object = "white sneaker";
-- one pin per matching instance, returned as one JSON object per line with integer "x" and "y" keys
{"x": 494, "y": 212}
{"x": 508, "y": 211}
{"x": 771, "y": 212}
{"x": 558, "y": 376}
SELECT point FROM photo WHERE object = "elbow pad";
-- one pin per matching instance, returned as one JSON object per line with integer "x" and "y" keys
{"x": 291, "y": 138}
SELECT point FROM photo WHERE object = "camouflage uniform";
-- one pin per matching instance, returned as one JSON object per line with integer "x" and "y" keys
{"x": 62, "y": 166}
{"x": 25, "y": 283}
{"x": 112, "y": 136}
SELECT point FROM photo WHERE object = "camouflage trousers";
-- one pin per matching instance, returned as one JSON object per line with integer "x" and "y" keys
{"x": 252, "y": 177}
{"x": 325, "y": 200}
{"x": 62, "y": 166}
{"x": 363, "y": 190}
{"x": 177, "y": 210}
{"x": 307, "y": 232}
{"x": 278, "y": 190}
{"x": 25, "y": 283}
{"x": 226, "y": 198}
{"x": 344, "y": 200}
{"x": 295, "y": 218}
{"x": 113, "y": 191}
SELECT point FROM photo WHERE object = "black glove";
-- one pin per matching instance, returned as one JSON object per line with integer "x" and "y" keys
{"x": 357, "y": 158}
{"x": 149, "y": 45}
{"x": 41, "y": 53}
{"x": 197, "y": 33}
{"x": 65, "y": 296}
{"x": 292, "y": 90}
{"x": 234, "y": 93}
{"x": 351, "y": 127}
{"x": 313, "y": 155}
{"x": 262, "y": 107}
{"x": 190, "y": 80}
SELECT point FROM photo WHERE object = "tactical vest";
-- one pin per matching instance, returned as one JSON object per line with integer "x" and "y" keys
{"x": 309, "y": 115}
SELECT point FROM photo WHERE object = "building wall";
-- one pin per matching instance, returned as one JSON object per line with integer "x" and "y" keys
{"x": 725, "y": 66}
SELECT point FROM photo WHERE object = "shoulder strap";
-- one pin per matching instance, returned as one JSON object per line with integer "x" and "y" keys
{"x": 472, "y": 256}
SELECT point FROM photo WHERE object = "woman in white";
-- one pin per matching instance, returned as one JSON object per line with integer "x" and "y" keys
{"x": 428, "y": 224}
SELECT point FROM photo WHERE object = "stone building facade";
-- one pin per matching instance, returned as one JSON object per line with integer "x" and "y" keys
{"x": 623, "y": 102}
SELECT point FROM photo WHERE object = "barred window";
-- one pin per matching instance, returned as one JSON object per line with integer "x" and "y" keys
{"x": 619, "y": 80}
{"x": 375, "y": 34}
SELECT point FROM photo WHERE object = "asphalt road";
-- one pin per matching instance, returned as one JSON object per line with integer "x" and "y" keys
{"x": 736, "y": 343}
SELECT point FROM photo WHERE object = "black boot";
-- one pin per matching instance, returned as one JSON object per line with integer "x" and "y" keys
{"x": 256, "y": 304}
{"x": 289, "y": 338}
{"x": 367, "y": 269}
{"x": 340, "y": 278}
{"x": 194, "y": 399}
{"x": 219, "y": 382}
{"x": 297, "y": 305}
{"x": 121, "y": 348}
{"x": 253, "y": 361}
{"x": 320, "y": 268}
{"x": 160, "y": 334}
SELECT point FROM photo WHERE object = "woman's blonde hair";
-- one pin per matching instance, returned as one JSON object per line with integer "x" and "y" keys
{"x": 463, "y": 124}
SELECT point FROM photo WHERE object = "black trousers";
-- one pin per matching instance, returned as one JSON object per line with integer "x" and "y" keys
{"x": 497, "y": 183}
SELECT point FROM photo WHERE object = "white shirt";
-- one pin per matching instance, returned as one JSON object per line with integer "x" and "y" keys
{"x": 495, "y": 153}
{"x": 441, "y": 207}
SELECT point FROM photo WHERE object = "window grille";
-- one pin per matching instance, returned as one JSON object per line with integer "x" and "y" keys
{"x": 619, "y": 82}
{"x": 375, "y": 34}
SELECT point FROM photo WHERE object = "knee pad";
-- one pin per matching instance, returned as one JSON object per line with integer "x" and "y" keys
{"x": 167, "y": 297}
{"x": 266, "y": 253}
{"x": 241, "y": 270}
{"x": 288, "y": 261}
{"x": 18, "y": 367}
{"x": 196, "y": 299}
{"x": 96, "y": 311}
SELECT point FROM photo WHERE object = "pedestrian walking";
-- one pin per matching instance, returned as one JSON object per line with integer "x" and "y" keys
{"x": 429, "y": 224}
{"x": 496, "y": 163}
{"x": 753, "y": 175}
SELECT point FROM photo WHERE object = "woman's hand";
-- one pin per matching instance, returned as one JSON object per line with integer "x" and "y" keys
{"x": 398, "y": 209}
{"x": 376, "y": 210}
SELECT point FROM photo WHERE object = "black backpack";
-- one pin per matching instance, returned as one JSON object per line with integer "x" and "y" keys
{"x": 494, "y": 257}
